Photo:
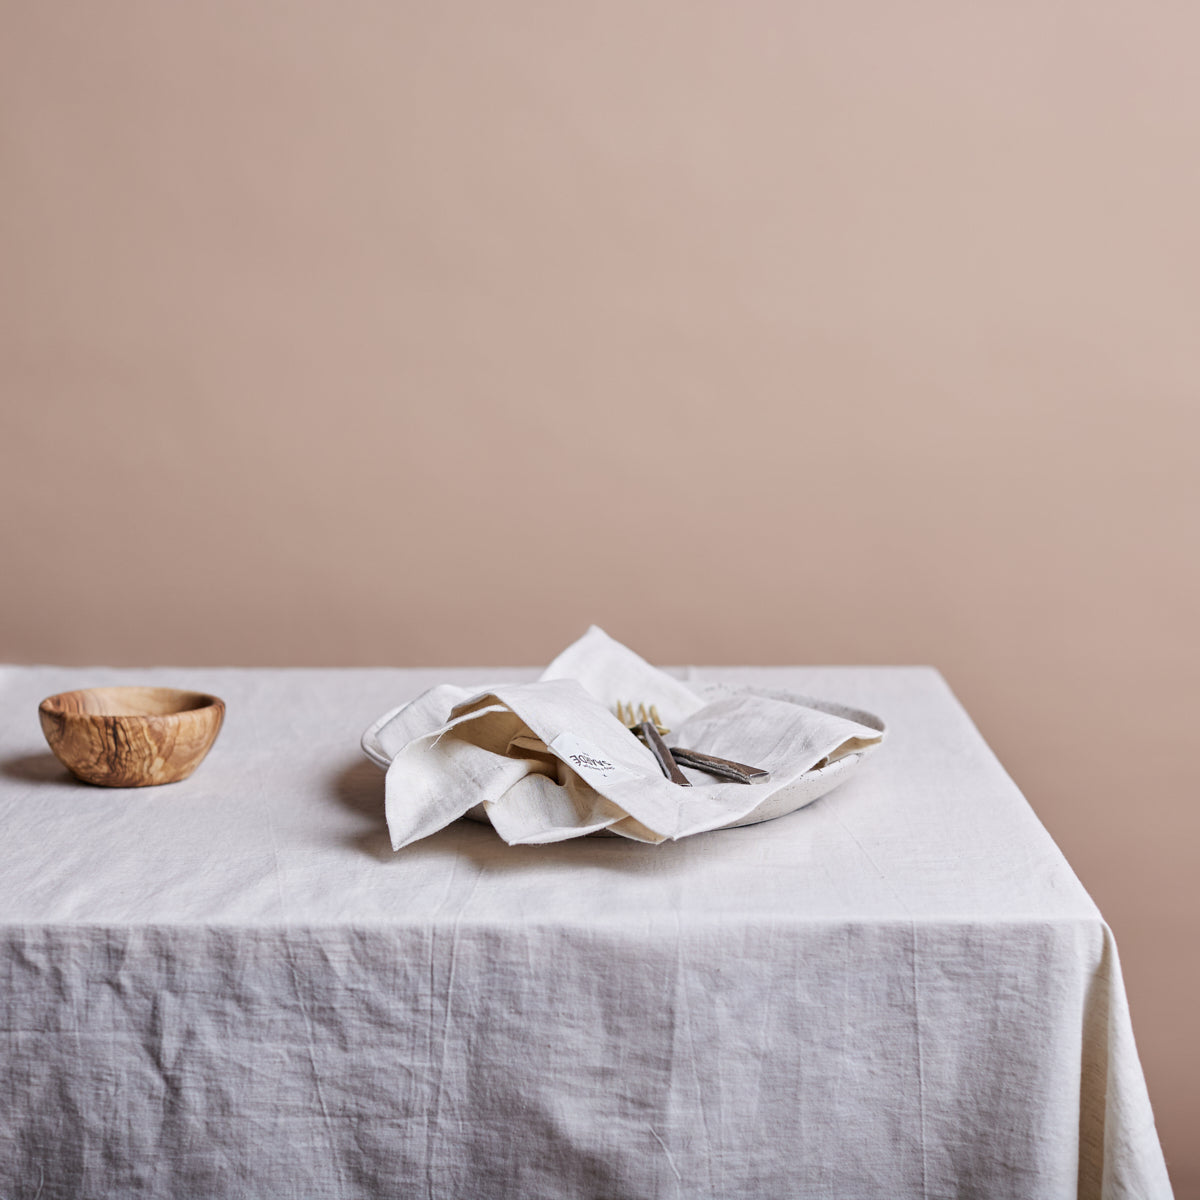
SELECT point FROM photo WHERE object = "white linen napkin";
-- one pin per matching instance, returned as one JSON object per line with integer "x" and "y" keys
{"x": 549, "y": 760}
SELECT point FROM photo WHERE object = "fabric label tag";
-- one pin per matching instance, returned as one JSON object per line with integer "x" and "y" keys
{"x": 586, "y": 759}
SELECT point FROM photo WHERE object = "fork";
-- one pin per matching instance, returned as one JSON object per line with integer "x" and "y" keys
{"x": 649, "y": 727}
{"x": 647, "y": 724}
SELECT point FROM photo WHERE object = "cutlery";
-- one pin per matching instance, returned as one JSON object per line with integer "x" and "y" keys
{"x": 647, "y": 724}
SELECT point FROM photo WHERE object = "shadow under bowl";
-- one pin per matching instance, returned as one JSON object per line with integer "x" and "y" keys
{"x": 131, "y": 736}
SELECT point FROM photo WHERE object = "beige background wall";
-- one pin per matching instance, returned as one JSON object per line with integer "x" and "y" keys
{"x": 757, "y": 333}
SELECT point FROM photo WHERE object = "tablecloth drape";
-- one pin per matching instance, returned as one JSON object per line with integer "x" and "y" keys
{"x": 232, "y": 986}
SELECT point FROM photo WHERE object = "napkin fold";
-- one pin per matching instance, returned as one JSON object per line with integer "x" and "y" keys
{"x": 549, "y": 760}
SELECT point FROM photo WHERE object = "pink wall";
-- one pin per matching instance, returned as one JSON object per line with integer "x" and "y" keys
{"x": 428, "y": 333}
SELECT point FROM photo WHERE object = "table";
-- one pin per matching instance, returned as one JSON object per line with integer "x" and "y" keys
{"x": 232, "y": 987}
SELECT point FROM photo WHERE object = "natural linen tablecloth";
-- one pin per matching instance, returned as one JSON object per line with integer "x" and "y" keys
{"x": 233, "y": 987}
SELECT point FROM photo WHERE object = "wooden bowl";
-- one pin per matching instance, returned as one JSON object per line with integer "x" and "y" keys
{"x": 131, "y": 736}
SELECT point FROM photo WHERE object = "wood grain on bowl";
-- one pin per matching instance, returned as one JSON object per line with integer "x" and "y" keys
{"x": 131, "y": 736}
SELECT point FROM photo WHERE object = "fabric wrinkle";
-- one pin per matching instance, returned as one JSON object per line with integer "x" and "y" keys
{"x": 916, "y": 1005}
{"x": 667, "y": 1152}
{"x": 681, "y": 1017}
{"x": 433, "y": 1128}
{"x": 298, "y": 991}
{"x": 826, "y": 1167}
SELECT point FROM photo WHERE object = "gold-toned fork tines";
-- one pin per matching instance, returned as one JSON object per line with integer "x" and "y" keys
{"x": 645, "y": 722}
{"x": 633, "y": 717}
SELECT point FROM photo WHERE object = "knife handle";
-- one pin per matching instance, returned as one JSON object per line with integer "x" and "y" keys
{"x": 658, "y": 748}
{"x": 723, "y": 767}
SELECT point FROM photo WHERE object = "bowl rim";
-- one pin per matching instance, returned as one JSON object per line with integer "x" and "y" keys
{"x": 196, "y": 703}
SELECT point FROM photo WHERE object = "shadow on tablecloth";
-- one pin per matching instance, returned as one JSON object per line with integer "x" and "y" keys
{"x": 34, "y": 768}
{"x": 359, "y": 787}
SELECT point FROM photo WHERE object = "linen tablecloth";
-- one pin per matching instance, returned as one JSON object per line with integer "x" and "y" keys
{"x": 232, "y": 986}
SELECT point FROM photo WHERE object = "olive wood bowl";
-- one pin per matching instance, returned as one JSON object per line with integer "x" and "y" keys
{"x": 131, "y": 736}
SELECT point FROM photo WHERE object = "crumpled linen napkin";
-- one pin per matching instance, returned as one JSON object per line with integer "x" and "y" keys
{"x": 549, "y": 760}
